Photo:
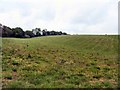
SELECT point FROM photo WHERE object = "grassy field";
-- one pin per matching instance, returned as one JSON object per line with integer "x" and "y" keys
{"x": 73, "y": 61}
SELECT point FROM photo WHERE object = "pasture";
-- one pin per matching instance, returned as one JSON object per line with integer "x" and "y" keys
{"x": 71, "y": 61}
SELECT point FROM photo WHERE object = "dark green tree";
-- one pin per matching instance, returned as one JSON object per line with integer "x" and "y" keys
{"x": 0, "y": 30}
{"x": 30, "y": 33}
{"x": 6, "y": 31}
{"x": 18, "y": 32}
{"x": 44, "y": 32}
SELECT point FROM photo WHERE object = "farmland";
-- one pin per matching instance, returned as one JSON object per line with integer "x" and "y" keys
{"x": 72, "y": 61}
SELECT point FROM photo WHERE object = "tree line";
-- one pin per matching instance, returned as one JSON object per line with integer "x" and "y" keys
{"x": 18, "y": 32}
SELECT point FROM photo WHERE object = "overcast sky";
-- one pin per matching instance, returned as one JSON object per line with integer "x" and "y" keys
{"x": 71, "y": 16}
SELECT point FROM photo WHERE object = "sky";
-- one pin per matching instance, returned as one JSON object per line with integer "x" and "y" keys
{"x": 70, "y": 16}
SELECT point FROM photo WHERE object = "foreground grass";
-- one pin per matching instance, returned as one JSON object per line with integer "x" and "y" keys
{"x": 60, "y": 62}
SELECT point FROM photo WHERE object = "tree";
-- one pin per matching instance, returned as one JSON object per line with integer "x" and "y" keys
{"x": 37, "y": 32}
{"x": 30, "y": 33}
{"x": 64, "y": 33}
{"x": 1, "y": 30}
{"x": 52, "y": 32}
{"x": 47, "y": 32}
{"x": 18, "y": 32}
{"x": 44, "y": 32}
{"x": 60, "y": 33}
{"x": 6, "y": 31}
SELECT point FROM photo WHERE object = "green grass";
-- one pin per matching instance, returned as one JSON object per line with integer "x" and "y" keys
{"x": 72, "y": 61}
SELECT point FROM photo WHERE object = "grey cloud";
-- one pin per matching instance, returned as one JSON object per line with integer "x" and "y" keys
{"x": 48, "y": 14}
{"x": 44, "y": 11}
{"x": 92, "y": 16}
{"x": 6, "y": 6}
{"x": 71, "y": 17}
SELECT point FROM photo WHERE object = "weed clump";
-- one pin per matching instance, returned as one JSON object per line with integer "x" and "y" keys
{"x": 8, "y": 76}
{"x": 29, "y": 56}
{"x": 15, "y": 63}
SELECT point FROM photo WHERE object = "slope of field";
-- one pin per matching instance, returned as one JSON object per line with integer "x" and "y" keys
{"x": 73, "y": 61}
